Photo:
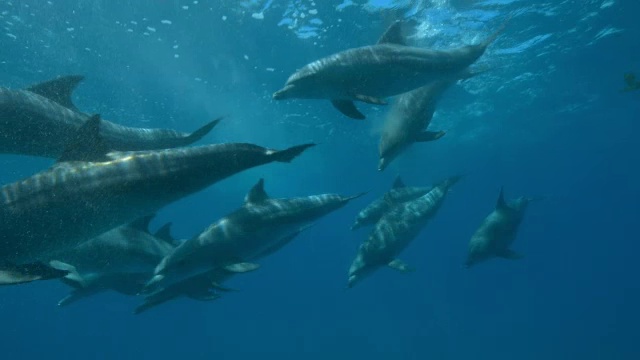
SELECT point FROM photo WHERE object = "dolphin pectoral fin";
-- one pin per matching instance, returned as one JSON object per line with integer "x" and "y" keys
{"x": 241, "y": 267}
{"x": 509, "y": 254}
{"x": 87, "y": 144}
{"x": 370, "y": 99}
{"x": 219, "y": 287}
{"x": 58, "y": 90}
{"x": 429, "y": 136}
{"x": 401, "y": 266}
{"x": 19, "y": 274}
{"x": 348, "y": 108}
{"x": 72, "y": 277}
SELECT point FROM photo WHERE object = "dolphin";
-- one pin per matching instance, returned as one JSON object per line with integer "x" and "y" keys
{"x": 90, "y": 191}
{"x": 498, "y": 231}
{"x": 121, "y": 259}
{"x": 256, "y": 228}
{"x": 41, "y": 120}
{"x": 399, "y": 193}
{"x": 411, "y": 115}
{"x": 395, "y": 230}
{"x": 631, "y": 84}
{"x": 372, "y": 73}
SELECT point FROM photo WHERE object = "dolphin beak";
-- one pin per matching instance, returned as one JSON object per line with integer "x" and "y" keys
{"x": 152, "y": 285}
{"x": 382, "y": 164}
{"x": 352, "y": 281}
{"x": 282, "y": 93}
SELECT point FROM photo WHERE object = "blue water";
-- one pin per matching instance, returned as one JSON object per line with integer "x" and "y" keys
{"x": 548, "y": 119}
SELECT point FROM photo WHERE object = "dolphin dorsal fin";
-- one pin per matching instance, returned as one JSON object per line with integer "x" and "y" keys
{"x": 164, "y": 234}
{"x": 393, "y": 35}
{"x": 58, "y": 90}
{"x": 86, "y": 144}
{"x": 257, "y": 193}
{"x": 142, "y": 224}
{"x": 501, "y": 204}
{"x": 398, "y": 183}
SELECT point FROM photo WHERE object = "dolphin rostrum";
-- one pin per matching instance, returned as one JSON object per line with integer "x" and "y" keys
{"x": 121, "y": 259}
{"x": 91, "y": 191}
{"x": 259, "y": 227}
{"x": 498, "y": 231}
{"x": 399, "y": 193}
{"x": 395, "y": 230}
{"x": 41, "y": 120}
{"x": 372, "y": 73}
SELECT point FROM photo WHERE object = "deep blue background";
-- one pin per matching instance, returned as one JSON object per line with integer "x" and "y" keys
{"x": 547, "y": 120}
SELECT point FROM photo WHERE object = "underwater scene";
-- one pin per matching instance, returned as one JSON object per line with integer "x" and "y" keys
{"x": 313, "y": 179}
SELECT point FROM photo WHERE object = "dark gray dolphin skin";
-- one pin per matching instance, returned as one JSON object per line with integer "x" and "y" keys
{"x": 122, "y": 259}
{"x": 399, "y": 193}
{"x": 498, "y": 231}
{"x": 41, "y": 120}
{"x": 259, "y": 226}
{"x": 372, "y": 73}
{"x": 410, "y": 115}
{"x": 91, "y": 191}
{"x": 395, "y": 230}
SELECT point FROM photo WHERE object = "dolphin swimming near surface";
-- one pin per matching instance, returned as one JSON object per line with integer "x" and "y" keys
{"x": 258, "y": 227}
{"x": 399, "y": 193}
{"x": 41, "y": 120}
{"x": 410, "y": 116}
{"x": 121, "y": 259}
{"x": 90, "y": 191}
{"x": 395, "y": 231}
{"x": 372, "y": 73}
{"x": 498, "y": 231}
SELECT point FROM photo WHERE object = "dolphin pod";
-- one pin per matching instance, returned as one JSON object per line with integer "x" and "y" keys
{"x": 42, "y": 119}
{"x": 85, "y": 220}
{"x": 92, "y": 191}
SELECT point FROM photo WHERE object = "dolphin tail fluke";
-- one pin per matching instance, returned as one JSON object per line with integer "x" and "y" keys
{"x": 452, "y": 181}
{"x": 19, "y": 274}
{"x": 291, "y": 153}
{"x": 348, "y": 108}
{"x": 201, "y": 132}
{"x": 498, "y": 32}
{"x": 353, "y": 197}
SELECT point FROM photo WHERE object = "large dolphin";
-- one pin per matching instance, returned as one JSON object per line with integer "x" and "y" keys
{"x": 41, "y": 120}
{"x": 259, "y": 226}
{"x": 395, "y": 230}
{"x": 372, "y": 73}
{"x": 411, "y": 115}
{"x": 498, "y": 231}
{"x": 122, "y": 259}
{"x": 91, "y": 191}
{"x": 399, "y": 193}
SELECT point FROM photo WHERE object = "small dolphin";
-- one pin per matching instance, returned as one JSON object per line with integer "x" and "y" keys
{"x": 410, "y": 116}
{"x": 41, "y": 120}
{"x": 90, "y": 191}
{"x": 498, "y": 231}
{"x": 261, "y": 225}
{"x": 395, "y": 230}
{"x": 372, "y": 73}
{"x": 121, "y": 259}
{"x": 399, "y": 193}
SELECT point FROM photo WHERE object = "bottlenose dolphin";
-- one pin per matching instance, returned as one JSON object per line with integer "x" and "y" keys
{"x": 399, "y": 193}
{"x": 372, "y": 73}
{"x": 498, "y": 231}
{"x": 122, "y": 259}
{"x": 91, "y": 191}
{"x": 395, "y": 230}
{"x": 41, "y": 120}
{"x": 258, "y": 227}
{"x": 411, "y": 115}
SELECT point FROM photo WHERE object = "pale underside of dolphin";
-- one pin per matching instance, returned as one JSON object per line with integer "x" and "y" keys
{"x": 41, "y": 120}
{"x": 91, "y": 191}
{"x": 395, "y": 231}
{"x": 372, "y": 73}
{"x": 260, "y": 227}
